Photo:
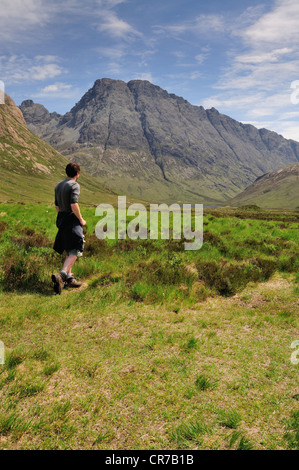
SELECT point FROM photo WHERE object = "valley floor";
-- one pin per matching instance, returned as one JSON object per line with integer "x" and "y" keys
{"x": 83, "y": 375}
{"x": 100, "y": 369}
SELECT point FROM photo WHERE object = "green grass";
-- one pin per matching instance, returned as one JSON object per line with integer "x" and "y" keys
{"x": 203, "y": 383}
{"x": 292, "y": 431}
{"x": 240, "y": 442}
{"x": 230, "y": 419}
{"x": 189, "y": 432}
{"x": 155, "y": 351}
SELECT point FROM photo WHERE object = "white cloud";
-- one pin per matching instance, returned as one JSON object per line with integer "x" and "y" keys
{"x": 28, "y": 10}
{"x": 20, "y": 16}
{"x": 254, "y": 105}
{"x": 201, "y": 25}
{"x": 266, "y": 65}
{"x": 144, "y": 76}
{"x": 232, "y": 101}
{"x": 110, "y": 3}
{"x": 257, "y": 81}
{"x": 206, "y": 23}
{"x": 260, "y": 57}
{"x": 200, "y": 58}
{"x": 183, "y": 58}
{"x": 280, "y": 26}
{"x": 262, "y": 111}
{"x": 114, "y": 68}
{"x": 179, "y": 54}
{"x": 267, "y": 76}
{"x": 288, "y": 129}
{"x": 195, "y": 75}
{"x": 56, "y": 90}
{"x": 45, "y": 71}
{"x": 17, "y": 69}
{"x": 115, "y": 52}
{"x": 20, "y": 19}
{"x": 111, "y": 24}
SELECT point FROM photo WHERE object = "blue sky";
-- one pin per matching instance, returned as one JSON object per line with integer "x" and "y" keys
{"x": 239, "y": 56}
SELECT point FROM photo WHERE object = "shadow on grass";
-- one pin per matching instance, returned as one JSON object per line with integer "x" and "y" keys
{"x": 44, "y": 289}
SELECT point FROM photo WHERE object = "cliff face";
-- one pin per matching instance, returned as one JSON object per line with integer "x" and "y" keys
{"x": 142, "y": 141}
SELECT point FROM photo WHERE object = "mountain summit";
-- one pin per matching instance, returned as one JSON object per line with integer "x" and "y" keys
{"x": 142, "y": 141}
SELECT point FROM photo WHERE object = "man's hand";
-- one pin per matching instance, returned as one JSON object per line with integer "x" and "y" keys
{"x": 76, "y": 209}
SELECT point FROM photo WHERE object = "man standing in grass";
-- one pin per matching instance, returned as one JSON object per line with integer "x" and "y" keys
{"x": 70, "y": 225}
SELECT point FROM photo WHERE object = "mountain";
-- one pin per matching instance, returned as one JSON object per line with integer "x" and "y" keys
{"x": 147, "y": 143}
{"x": 276, "y": 190}
{"x": 30, "y": 168}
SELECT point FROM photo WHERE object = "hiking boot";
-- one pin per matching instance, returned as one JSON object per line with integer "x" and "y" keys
{"x": 72, "y": 282}
{"x": 58, "y": 283}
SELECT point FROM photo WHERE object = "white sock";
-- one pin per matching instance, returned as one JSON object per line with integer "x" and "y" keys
{"x": 70, "y": 275}
{"x": 64, "y": 274}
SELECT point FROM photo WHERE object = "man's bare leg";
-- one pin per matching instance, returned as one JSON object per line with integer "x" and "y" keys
{"x": 66, "y": 272}
{"x": 69, "y": 263}
{"x": 65, "y": 278}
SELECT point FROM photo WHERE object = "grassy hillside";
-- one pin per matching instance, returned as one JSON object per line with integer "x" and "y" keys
{"x": 278, "y": 189}
{"x": 160, "y": 348}
{"x": 30, "y": 168}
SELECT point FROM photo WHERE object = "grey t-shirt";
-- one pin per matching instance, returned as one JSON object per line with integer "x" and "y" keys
{"x": 67, "y": 192}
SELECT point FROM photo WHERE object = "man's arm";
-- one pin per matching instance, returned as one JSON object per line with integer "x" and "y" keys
{"x": 57, "y": 209}
{"x": 76, "y": 209}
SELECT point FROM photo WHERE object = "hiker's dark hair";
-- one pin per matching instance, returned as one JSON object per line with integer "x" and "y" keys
{"x": 72, "y": 169}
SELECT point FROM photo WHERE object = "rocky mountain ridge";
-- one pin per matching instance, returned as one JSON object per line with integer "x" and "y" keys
{"x": 142, "y": 141}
